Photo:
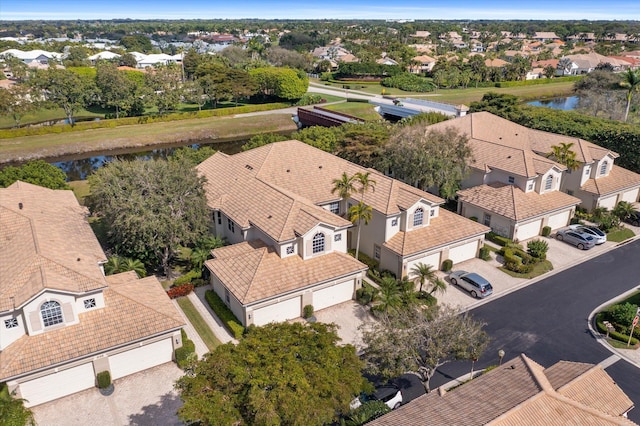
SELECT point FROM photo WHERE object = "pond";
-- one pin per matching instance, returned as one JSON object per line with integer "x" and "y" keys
{"x": 566, "y": 103}
{"x": 78, "y": 167}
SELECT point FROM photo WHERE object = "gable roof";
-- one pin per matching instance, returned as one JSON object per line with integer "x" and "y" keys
{"x": 513, "y": 203}
{"x": 47, "y": 244}
{"x": 253, "y": 271}
{"x": 522, "y": 392}
{"x": 287, "y": 181}
{"x": 617, "y": 180}
{"x": 135, "y": 309}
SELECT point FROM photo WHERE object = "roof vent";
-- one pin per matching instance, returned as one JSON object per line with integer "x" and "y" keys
{"x": 249, "y": 167}
{"x": 269, "y": 217}
{"x": 288, "y": 170}
{"x": 516, "y": 134}
{"x": 508, "y": 156}
{"x": 20, "y": 206}
{"x": 78, "y": 259}
{"x": 500, "y": 137}
{"x": 320, "y": 167}
{"x": 513, "y": 367}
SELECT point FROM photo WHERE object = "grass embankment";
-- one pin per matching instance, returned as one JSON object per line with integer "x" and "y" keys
{"x": 539, "y": 269}
{"x": 198, "y": 323}
{"x": 620, "y": 235}
{"x": 361, "y": 110}
{"x": 142, "y": 135}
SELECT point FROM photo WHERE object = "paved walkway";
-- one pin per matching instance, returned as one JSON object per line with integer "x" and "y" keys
{"x": 192, "y": 334}
{"x": 198, "y": 300}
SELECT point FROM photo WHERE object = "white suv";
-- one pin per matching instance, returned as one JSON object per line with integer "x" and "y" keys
{"x": 389, "y": 394}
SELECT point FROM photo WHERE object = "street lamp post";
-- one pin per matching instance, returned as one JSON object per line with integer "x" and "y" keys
{"x": 501, "y": 355}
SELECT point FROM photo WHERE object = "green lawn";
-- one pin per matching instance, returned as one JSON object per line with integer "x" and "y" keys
{"x": 361, "y": 110}
{"x": 80, "y": 189}
{"x": 620, "y": 235}
{"x": 539, "y": 269}
{"x": 198, "y": 323}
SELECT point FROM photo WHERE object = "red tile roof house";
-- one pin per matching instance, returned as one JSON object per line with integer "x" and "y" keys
{"x": 290, "y": 238}
{"x": 61, "y": 320}
{"x": 522, "y": 392}
{"x": 516, "y": 190}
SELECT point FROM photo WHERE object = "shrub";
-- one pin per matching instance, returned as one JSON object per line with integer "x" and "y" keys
{"x": 309, "y": 99}
{"x": 538, "y": 249}
{"x": 608, "y": 221}
{"x": 622, "y": 313}
{"x": 187, "y": 278}
{"x": 613, "y": 334}
{"x": 366, "y": 412}
{"x": 546, "y": 231}
{"x": 224, "y": 313}
{"x": 447, "y": 264}
{"x": 187, "y": 352}
{"x": 104, "y": 379}
{"x": 426, "y": 298}
{"x": 180, "y": 291}
{"x": 366, "y": 294}
{"x": 371, "y": 263}
{"x": 485, "y": 253}
{"x": 473, "y": 218}
{"x": 497, "y": 239}
{"x": 307, "y": 311}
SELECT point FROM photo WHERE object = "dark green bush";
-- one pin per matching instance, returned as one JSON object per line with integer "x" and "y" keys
{"x": 426, "y": 298}
{"x": 224, "y": 313}
{"x": 473, "y": 218}
{"x": 538, "y": 249}
{"x": 485, "y": 253}
{"x": 186, "y": 352}
{"x": 497, "y": 239}
{"x": 546, "y": 231}
{"x": 447, "y": 264}
{"x": 366, "y": 412}
{"x": 307, "y": 311}
{"x": 104, "y": 379}
{"x": 187, "y": 278}
{"x": 309, "y": 99}
{"x": 365, "y": 294}
{"x": 613, "y": 334}
{"x": 622, "y": 313}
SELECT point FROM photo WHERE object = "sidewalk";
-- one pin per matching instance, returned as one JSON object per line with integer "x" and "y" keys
{"x": 198, "y": 300}
{"x": 201, "y": 348}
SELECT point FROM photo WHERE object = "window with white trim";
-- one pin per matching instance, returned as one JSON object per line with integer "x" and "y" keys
{"x": 337, "y": 237}
{"x": 587, "y": 171}
{"x": 487, "y": 219}
{"x": 290, "y": 250}
{"x": 603, "y": 168}
{"x": 418, "y": 217}
{"x": 530, "y": 187}
{"x": 511, "y": 179}
{"x": 11, "y": 323}
{"x": 318, "y": 243}
{"x": 231, "y": 225}
{"x": 334, "y": 207}
{"x": 394, "y": 222}
{"x": 432, "y": 212}
{"x": 51, "y": 313}
{"x": 376, "y": 251}
{"x": 219, "y": 218}
{"x": 548, "y": 184}
{"x": 90, "y": 303}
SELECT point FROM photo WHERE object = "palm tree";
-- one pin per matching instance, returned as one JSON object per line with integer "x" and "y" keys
{"x": 113, "y": 265}
{"x": 408, "y": 294}
{"x": 631, "y": 81}
{"x": 563, "y": 154}
{"x": 344, "y": 186}
{"x": 624, "y": 210}
{"x": 424, "y": 273}
{"x": 358, "y": 214}
{"x": 366, "y": 183}
{"x": 389, "y": 298}
{"x": 438, "y": 286}
{"x": 133, "y": 265}
{"x": 564, "y": 64}
{"x": 198, "y": 256}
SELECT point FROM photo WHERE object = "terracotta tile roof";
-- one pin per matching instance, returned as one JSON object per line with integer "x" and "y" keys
{"x": 513, "y": 203}
{"x": 254, "y": 272}
{"x": 134, "y": 310}
{"x": 445, "y": 229}
{"x": 290, "y": 177}
{"x": 617, "y": 180}
{"x": 519, "y": 393}
{"x": 47, "y": 243}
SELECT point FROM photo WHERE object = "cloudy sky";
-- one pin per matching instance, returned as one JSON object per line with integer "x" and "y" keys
{"x": 321, "y": 9}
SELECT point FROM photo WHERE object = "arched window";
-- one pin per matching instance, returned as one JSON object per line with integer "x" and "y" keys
{"x": 51, "y": 313}
{"x": 318, "y": 243}
{"x": 549, "y": 183}
{"x": 418, "y": 217}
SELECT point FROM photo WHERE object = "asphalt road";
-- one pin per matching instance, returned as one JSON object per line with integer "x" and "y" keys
{"x": 547, "y": 320}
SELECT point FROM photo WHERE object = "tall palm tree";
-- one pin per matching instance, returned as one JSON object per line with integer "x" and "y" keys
{"x": 358, "y": 214}
{"x": 366, "y": 183}
{"x": 424, "y": 273}
{"x": 389, "y": 298}
{"x": 344, "y": 186}
{"x": 631, "y": 81}
{"x": 438, "y": 286}
{"x": 623, "y": 210}
{"x": 564, "y": 154}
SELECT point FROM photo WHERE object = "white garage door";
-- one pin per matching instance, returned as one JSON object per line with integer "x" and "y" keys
{"x": 58, "y": 384}
{"x": 333, "y": 295}
{"x": 141, "y": 358}
{"x": 432, "y": 259}
{"x": 630, "y": 196}
{"x": 559, "y": 220}
{"x": 282, "y": 311}
{"x": 463, "y": 252}
{"x": 529, "y": 230}
{"x": 608, "y": 203}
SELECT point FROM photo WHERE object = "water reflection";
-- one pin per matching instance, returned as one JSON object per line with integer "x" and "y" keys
{"x": 566, "y": 104}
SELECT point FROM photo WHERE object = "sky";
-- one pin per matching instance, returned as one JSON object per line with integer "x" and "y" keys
{"x": 11, "y": 10}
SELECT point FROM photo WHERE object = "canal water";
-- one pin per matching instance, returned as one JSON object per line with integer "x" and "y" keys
{"x": 566, "y": 104}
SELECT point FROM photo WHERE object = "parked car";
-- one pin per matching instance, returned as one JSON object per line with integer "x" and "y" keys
{"x": 596, "y": 233}
{"x": 389, "y": 394}
{"x": 634, "y": 219}
{"x": 472, "y": 282}
{"x": 578, "y": 239}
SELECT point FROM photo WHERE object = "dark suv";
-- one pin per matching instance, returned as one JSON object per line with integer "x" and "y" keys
{"x": 633, "y": 219}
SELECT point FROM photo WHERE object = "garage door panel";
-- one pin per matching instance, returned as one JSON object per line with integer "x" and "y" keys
{"x": 141, "y": 358}
{"x": 333, "y": 295}
{"x": 529, "y": 230}
{"x": 463, "y": 252}
{"x": 58, "y": 385}
{"x": 558, "y": 221}
{"x": 608, "y": 203}
{"x": 630, "y": 196}
{"x": 432, "y": 259}
{"x": 278, "y": 312}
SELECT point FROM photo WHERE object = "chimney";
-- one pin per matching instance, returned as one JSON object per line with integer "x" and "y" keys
{"x": 20, "y": 206}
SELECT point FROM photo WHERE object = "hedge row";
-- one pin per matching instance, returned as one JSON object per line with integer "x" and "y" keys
{"x": 189, "y": 277}
{"x": 179, "y": 291}
{"x": 186, "y": 352}
{"x": 497, "y": 239}
{"x": 103, "y": 124}
{"x": 224, "y": 313}
{"x": 614, "y": 334}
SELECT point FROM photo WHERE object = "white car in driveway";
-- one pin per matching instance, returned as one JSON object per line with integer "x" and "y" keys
{"x": 389, "y": 394}
{"x": 596, "y": 233}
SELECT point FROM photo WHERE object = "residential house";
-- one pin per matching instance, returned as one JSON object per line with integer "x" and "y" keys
{"x": 421, "y": 64}
{"x": 154, "y": 59}
{"x": 289, "y": 234}
{"x": 522, "y": 392}
{"x": 61, "y": 320}
{"x": 29, "y": 56}
{"x": 103, "y": 56}
{"x": 545, "y": 36}
{"x": 514, "y": 187}
{"x": 587, "y": 62}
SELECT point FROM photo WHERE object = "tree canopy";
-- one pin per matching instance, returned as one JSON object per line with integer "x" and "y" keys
{"x": 290, "y": 374}
{"x": 150, "y": 208}
{"x": 37, "y": 172}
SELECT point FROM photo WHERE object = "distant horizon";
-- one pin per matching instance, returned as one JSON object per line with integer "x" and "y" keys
{"x": 498, "y": 10}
